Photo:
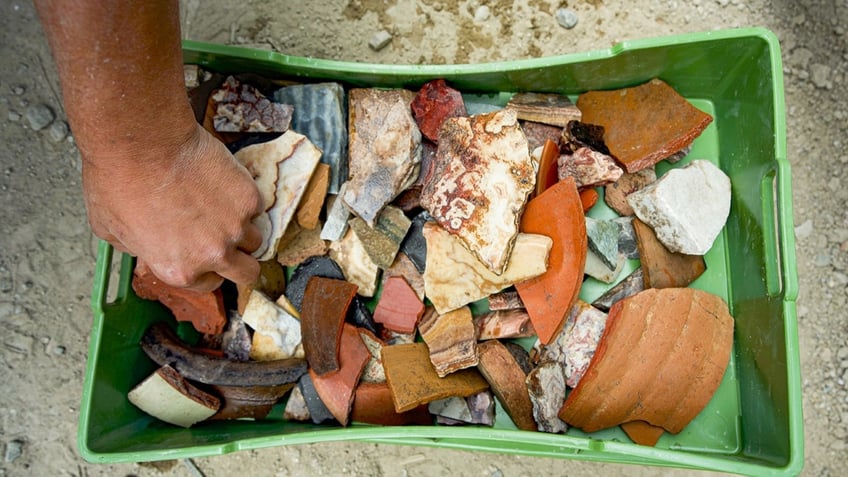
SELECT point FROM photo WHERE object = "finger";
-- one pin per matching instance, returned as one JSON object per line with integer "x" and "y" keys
{"x": 206, "y": 282}
{"x": 252, "y": 239}
{"x": 240, "y": 268}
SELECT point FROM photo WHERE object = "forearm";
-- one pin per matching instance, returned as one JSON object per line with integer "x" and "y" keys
{"x": 119, "y": 60}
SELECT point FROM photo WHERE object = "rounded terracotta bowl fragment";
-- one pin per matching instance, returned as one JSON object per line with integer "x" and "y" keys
{"x": 660, "y": 360}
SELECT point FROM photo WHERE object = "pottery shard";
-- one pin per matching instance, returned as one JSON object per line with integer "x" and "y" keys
{"x": 687, "y": 207}
{"x": 271, "y": 281}
{"x": 615, "y": 194}
{"x": 373, "y": 405}
{"x": 538, "y": 133}
{"x": 414, "y": 381}
{"x": 309, "y": 210}
{"x": 299, "y": 157}
{"x": 482, "y": 177}
{"x": 662, "y": 268}
{"x": 336, "y": 389}
{"x": 355, "y": 262}
{"x": 633, "y": 284}
{"x": 554, "y": 109}
{"x": 556, "y": 213}
{"x": 589, "y": 167}
{"x": 546, "y": 387}
{"x": 403, "y": 267}
{"x": 320, "y": 115}
{"x": 504, "y": 324}
{"x": 385, "y": 147}
{"x": 318, "y": 412}
{"x": 399, "y": 308}
{"x": 298, "y": 244}
{"x": 683, "y": 338}
{"x": 205, "y": 310}
{"x": 507, "y": 300}
{"x": 325, "y": 305}
{"x": 435, "y": 102}
{"x": 276, "y": 332}
{"x": 451, "y": 340}
{"x": 382, "y": 241}
{"x": 644, "y": 124}
{"x": 242, "y": 108}
{"x": 312, "y": 266}
{"x": 454, "y": 277}
{"x": 166, "y": 396}
{"x": 507, "y": 381}
{"x": 248, "y": 402}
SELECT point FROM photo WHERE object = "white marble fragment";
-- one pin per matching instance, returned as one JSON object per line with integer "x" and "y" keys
{"x": 276, "y": 333}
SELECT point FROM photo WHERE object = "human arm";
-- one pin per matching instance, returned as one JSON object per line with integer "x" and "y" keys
{"x": 155, "y": 183}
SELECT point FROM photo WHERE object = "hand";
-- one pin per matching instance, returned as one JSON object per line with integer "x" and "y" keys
{"x": 185, "y": 209}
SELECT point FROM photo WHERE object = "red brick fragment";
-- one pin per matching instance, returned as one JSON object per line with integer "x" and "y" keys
{"x": 205, "y": 310}
{"x": 322, "y": 316}
{"x": 435, "y": 102}
{"x": 399, "y": 308}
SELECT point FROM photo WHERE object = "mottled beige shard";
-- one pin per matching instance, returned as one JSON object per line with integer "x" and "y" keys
{"x": 451, "y": 340}
{"x": 276, "y": 333}
{"x": 482, "y": 176}
{"x": 454, "y": 277}
{"x": 298, "y": 244}
{"x": 546, "y": 108}
{"x": 355, "y": 263}
{"x": 384, "y": 148}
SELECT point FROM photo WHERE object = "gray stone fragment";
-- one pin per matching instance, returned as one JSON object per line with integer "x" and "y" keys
{"x": 14, "y": 449}
{"x": 380, "y": 40}
{"x": 597, "y": 269}
{"x": 603, "y": 238}
{"x": 804, "y": 230}
{"x": 58, "y": 131}
{"x": 14, "y": 117}
{"x": 474, "y": 108}
{"x": 18, "y": 90}
{"x": 820, "y": 76}
{"x": 337, "y": 219}
{"x": 567, "y": 18}
{"x": 481, "y": 14}
{"x": 475, "y": 409}
{"x": 633, "y": 284}
{"x": 627, "y": 238}
{"x": 296, "y": 409}
{"x": 39, "y": 116}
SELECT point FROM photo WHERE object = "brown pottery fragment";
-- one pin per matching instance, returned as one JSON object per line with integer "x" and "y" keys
{"x": 312, "y": 201}
{"x": 644, "y": 124}
{"x": 399, "y": 308}
{"x": 615, "y": 194}
{"x": 642, "y": 433}
{"x": 165, "y": 395}
{"x": 373, "y": 404}
{"x": 414, "y": 381}
{"x": 546, "y": 108}
{"x": 336, "y": 389}
{"x": 451, "y": 340}
{"x": 683, "y": 338}
{"x": 662, "y": 268}
{"x": 322, "y": 316}
{"x": 251, "y": 402}
{"x": 506, "y": 378}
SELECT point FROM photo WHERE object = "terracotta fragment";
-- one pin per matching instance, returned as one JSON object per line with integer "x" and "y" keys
{"x": 661, "y": 267}
{"x": 403, "y": 267}
{"x": 385, "y": 147}
{"x": 644, "y": 124}
{"x": 504, "y": 324}
{"x": 248, "y": 402}
{"x": 588, "y": 198}
{"x": 588, "y": 167}
{"x": 242, "y": 108}
{"x": 683, "y": 338}
{"x": 205, "y": 310}
{"x": 311, "y": 267}
{"x": 435, "y": 102}
{"x": 557, "y": 213}
{"x": 546, "y": 387}
{"x": 336, "y": 389}
{"x": 615, "y": 194}
{"x": 475, "y": 409}
{"x": 687, "y": 207}
{"x": 271, "y": 282}
{"x": 548, "y": 167}
{"x": 350, "y": 254}
{"x": 296, "y": 409}
{"x": 451, "y": 339}
{"x": 602, "y": 235}
{"x": 325, "y": 305}
{"x": 276, "y": 334}
{"x": 414, "y": 381}
{"x": 597, "y": 269}
{"x": 414, "y": 245}
{"x": 454, "y": 277}
{"x": 642, "y": 433}
{"x": 633, "y": 284}
{"x": 399, "y": 308}
{"x": 168, "y": 397}
{"x": 482, "y": 177}
{"x": 554, "y": 109}
{"x": 373, "y": 405}
{"x": 538, "y": 133}
{"x": 507, "y": 381}
{"x": 506, "y": 300}
{"x": 374, "y": 372}
{"x": 298, "y": 244}
{"x": 318, "y": 412}
{"x": 309, "y": 210}
{"x": 337, "y": 218}
{"x": 382, "y": 241}
{"x": 320, "y": 115}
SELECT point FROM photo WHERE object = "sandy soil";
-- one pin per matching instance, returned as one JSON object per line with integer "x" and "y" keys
{"x": 47, "y": 251}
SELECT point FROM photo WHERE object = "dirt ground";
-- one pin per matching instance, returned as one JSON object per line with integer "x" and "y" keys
{"x": 47, "y": 251}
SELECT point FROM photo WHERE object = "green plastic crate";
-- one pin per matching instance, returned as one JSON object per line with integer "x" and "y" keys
{"x": 753, "y": 424}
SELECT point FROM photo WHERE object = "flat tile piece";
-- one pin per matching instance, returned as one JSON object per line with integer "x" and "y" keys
{"x": 403, "y": 267}
{"x": 309, "y": 210}
{"x": 597, "y": 269}
{"x": 503, "y": 324}
{"x": 589, "y": 167}
{"x": 475, "y": 409}
{"x": 385, "y": 147}
{"x": 318, "y": 412}
{"x": 435, "y": 102}
{"x": 482, "y": 177}
{"x": 204, "y": 310}
{"x": 554, "y": 109}
{"x": 557, "y": 213}
{"x": 506, "y": 379}
{"x": 615, "y": 194}
{"x": 506, "y": 300}
{"x": 538, "y": 133}
{"x": 683, "y": 338}
{"x": 336, "y": 389}
{"x": 374, "y": 372}
{"x": 399, "y": 308}
{"x": 662, "y": 268}
{"x": 242, "y": 108}
{"x": 546, "y": 387}
{"x": 337, "y": 218}
{"x": 603, "y": 237}
{"x": 276, "y": 333}
{"x": 451, "y": 339}
{"x": 414, "y": 381}
{"x": 382, "y": 241}
{"x": 311, "y": 267}
{"x": 644, "y": 124}
{"x": 687, "y": 207}
{"x": 322, "y": 316}
{"x": 168, "y": 397}
{"x": 296, "y": 409}
{"x": 298, "y": 244}
{"x": 454, "y": 277}
{"x": 320, "y": 115}
{"x": 373, "y": 405}
{"x": 355, "y": 262}
{"x": 631, "y": 285}
{"x": 414, "y": 245}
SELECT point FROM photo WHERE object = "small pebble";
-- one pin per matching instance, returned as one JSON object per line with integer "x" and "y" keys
{"x": 804, "y": 230}
{"x": 567, "y": 18}
{"x": 481, "y": 14}
{"x": 14, "y": 117}
{"x": 14, "y": 449}
{"x": 59, "y": 350}
{"x": 18, "y": 90}
{"x": 822, "y": 260}
{"x": 58, "y": 131}
{"x": 380, "y": 40}
{"x": 39, "y": 116}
